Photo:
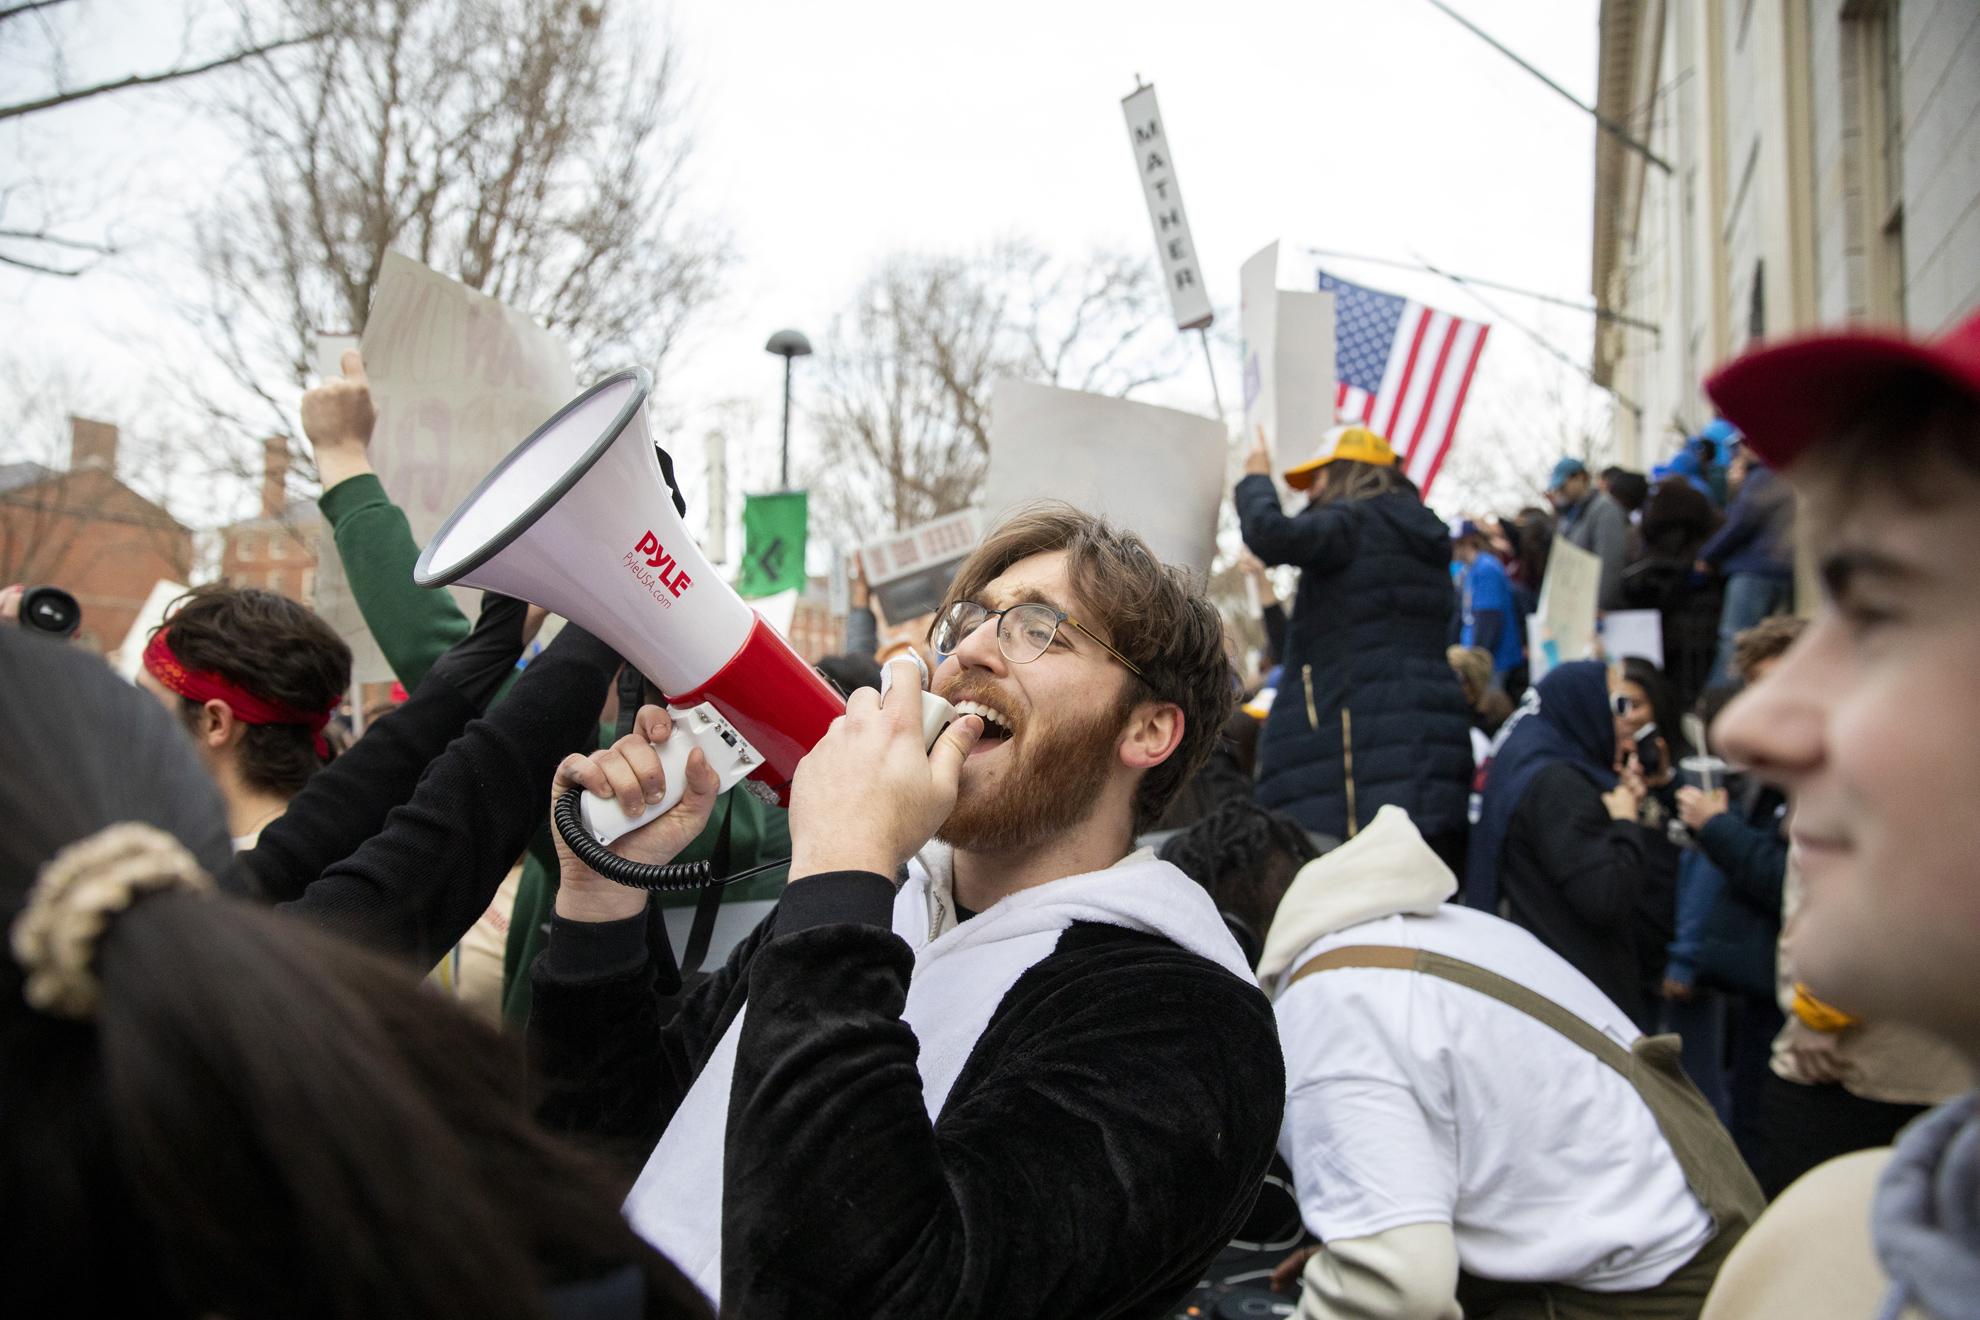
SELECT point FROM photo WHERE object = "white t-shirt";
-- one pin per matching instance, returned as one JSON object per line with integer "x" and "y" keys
{"x": 1412, "y": 1099}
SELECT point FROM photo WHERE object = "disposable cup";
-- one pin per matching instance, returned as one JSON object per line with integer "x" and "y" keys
{"x": 1706, "y": 773}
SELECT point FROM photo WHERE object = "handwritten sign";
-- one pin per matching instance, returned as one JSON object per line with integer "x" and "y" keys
{"x": 909, "y": 572}
{"x": 1173, "y": 246}
{"x": 459, "y": 380}
{"x": 1564, "y": 625}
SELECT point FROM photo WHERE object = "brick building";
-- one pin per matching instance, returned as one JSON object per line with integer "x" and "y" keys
{"x": 276, "y": 551}
{"x": 88, "y": 533}
{"x": 816, "y": 632}
{"x": 1824, "y": 169}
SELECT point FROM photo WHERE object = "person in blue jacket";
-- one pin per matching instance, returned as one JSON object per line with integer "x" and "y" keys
{"x": 1490, "y": 618}
{"x": 1755, "y": 552}
{"x": 1368, "y": 711}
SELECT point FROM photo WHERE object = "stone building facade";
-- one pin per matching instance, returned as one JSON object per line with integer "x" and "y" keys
{"x": 1823, "y": 169}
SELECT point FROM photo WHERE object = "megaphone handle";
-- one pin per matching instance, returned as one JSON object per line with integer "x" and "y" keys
{"x": 607, "y": 820}
{"x": 935, "y": 716}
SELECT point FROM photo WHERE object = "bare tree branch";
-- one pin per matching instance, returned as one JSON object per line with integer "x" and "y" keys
{"x": 529, "y": 148}
{"x": 150, "y": 79}
{"x": 909, "y": 367}
{"x": 15, "y": 11}
{"x": 39, "y": 269}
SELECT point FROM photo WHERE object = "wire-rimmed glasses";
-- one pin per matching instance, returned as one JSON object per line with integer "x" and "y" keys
{"x": 1023, "y": 631}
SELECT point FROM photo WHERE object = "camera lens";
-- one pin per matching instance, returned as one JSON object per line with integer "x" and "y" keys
{"x": 50, "y": 610}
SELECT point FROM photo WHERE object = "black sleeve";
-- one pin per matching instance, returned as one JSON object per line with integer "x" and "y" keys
{"x": 613, "y": 1070}
{"x": 416, "y": 887}
{"x": 1753, "y": 858}
{"x": 1595, "y": 861}
{"x": 1094, "y": 1169}
{"x": 1319, "y": 537}
{"x": 347, "y": 801}
{"x": 1486, "y": 628}
{"x": 1275, "y": 630}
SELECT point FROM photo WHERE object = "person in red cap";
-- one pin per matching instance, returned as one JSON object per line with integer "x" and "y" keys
{"x": 253, "y": 676}
{"x": 1871, "y": 724}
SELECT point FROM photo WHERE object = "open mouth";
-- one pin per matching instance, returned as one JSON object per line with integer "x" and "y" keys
{"x": 996, "y": 726}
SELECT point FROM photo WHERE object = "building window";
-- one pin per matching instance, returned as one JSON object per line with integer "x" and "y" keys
{"x": 244, "y": 546}
{"x": 278, "y": 543}
{"x": 309, "y": 585}
{"x": 1873, "y": 65}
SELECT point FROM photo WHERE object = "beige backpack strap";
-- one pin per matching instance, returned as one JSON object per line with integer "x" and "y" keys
{"x": 1711, "y": 1163}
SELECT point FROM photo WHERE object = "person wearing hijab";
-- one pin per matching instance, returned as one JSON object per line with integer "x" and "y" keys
{"x": 1556, "y": 848}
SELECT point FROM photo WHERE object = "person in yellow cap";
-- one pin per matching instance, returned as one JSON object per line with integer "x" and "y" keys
{"x": 1344, "y": 444}
{"x": 1368, "y": 712}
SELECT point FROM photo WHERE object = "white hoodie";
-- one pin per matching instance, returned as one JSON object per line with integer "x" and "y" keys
{"x": 961, "y": 974}
{"x": 1412, "y": 1100}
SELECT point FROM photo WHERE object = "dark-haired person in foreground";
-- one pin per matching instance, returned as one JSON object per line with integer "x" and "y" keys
{"x": 1871, "y": 725}
{"x": 1037, "y": 1079}
{"x": 211, "y": 1109}
{"x": 253, "y": 676}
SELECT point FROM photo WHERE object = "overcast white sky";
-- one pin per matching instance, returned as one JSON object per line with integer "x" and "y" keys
{"x": 832, "y": 135}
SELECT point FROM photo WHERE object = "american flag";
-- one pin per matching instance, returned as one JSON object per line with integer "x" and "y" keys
{"x": 1403, "y": 369}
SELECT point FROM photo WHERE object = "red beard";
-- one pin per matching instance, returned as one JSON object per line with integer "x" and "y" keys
{"x": 1058, "y": 774}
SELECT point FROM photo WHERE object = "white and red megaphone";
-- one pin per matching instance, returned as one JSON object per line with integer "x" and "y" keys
{"x": 580, "y": 520}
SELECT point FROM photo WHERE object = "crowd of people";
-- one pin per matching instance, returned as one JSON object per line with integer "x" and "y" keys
{"x": 1534, "y": 985}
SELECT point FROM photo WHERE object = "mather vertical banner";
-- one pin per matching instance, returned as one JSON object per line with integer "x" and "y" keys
{"x": 1173, "y": 245}
{"x": 773, "y": 544}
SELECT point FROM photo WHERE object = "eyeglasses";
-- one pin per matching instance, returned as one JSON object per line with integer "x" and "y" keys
{"x": 1622, "y": 704}
{"x": 1023, "y": 631}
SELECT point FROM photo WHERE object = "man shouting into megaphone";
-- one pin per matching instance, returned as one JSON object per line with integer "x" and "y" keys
{"x": 1021, "y": 1070}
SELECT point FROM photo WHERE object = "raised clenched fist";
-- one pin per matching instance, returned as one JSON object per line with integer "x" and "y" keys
{"x": 337, "y": 416}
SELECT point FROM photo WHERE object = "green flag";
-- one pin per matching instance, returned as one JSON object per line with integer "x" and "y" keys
{"x": 773, "y": 541}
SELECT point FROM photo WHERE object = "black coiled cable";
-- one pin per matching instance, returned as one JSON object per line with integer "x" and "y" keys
{"x": 638, "y": 875}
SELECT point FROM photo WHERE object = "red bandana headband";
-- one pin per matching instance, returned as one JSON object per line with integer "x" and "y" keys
{"x": 204, "y": 685}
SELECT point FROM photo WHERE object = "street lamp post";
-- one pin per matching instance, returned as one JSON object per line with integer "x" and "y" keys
{"x": 787, "y": 344}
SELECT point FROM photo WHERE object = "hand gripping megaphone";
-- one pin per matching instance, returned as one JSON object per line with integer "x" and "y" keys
{"x": 580, "y": 520}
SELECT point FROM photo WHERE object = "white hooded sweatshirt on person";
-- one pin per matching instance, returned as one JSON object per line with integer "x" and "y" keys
{"x": 1412, "y": 1100}
{"x": 962, "y": 972}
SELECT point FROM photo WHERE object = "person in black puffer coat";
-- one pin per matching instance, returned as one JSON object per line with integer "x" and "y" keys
{"x": 1368, "y": 711}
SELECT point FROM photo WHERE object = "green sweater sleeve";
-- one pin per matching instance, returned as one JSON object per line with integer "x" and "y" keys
{"x": 413, "y": 626}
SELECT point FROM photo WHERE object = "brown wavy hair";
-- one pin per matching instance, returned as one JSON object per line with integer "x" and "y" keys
{"x": 275, "y": 649}
{"x": 1150, "y": 612}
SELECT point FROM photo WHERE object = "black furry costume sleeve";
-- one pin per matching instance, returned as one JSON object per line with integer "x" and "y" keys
{"x": 415, "y": 887}
{"x": 1105, "y": 1139}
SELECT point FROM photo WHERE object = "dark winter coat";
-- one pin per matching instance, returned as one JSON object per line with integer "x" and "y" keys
{"x": 1367, "y": 637}
{"x": 1737, "y": 947}
{"x": 1758, "y": 536}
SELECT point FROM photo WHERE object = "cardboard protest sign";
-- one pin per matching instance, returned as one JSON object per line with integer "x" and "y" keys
{"x": 1633, "y": 632}
{"x": 1288, "y": 362}
{"x": 1158, "y": 471}
{"x": 909, "y": 572}
{"x": 459, "y": 380}
{"x": 1564, "y": 625}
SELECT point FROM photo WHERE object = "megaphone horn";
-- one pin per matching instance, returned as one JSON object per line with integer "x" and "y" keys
{"x": 579, "y": 520}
